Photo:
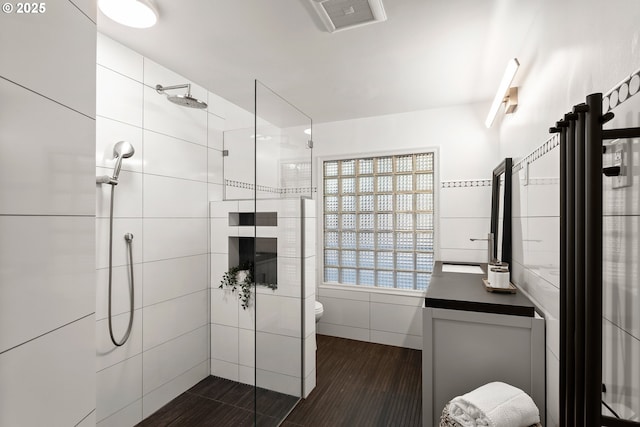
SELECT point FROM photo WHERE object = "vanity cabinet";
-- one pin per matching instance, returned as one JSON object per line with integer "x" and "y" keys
{"x": 473, "y": 337}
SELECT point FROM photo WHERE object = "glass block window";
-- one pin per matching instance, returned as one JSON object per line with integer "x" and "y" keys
{"x": 378, "y": 221}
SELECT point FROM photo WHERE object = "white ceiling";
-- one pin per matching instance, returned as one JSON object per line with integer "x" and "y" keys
{"x": 428, "y": 54}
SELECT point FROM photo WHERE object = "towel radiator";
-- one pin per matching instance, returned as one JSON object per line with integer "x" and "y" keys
{"x": 581, "y": 148}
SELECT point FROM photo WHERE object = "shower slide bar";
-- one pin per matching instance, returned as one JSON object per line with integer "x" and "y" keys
{"x": 581, "y": 255}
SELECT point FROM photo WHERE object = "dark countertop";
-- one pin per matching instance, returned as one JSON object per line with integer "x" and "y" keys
{"x": 464, "y": 291}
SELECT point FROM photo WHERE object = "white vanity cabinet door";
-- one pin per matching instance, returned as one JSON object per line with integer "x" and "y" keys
{"x": 464, "y": 350}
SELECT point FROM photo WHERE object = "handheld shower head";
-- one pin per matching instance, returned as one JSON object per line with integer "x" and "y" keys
{"x": 121, "y": 150}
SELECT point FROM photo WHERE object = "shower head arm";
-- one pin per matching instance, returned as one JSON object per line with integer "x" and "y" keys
{"x": 161, "y": 89}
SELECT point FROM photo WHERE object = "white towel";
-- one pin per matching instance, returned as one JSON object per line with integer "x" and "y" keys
{"x": 494, "y": 405}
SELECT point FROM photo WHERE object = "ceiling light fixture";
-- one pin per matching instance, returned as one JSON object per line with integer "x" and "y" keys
{"x": 505, "y": 94}
{"x": 132, "y": 13}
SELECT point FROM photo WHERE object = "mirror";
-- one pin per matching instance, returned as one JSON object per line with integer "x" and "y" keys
{"x": 501, "y": 211}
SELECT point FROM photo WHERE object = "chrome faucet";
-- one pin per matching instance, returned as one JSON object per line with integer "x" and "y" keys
{"x": 491, "y": 256}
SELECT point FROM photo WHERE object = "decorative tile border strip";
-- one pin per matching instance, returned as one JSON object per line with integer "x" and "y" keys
{"x": 298, "y": 190}
{"x": 546, "y": 147}
{"x": 467, "y": 183}
{"x": 628, "y": 87}
{"x": 267, "y": 189}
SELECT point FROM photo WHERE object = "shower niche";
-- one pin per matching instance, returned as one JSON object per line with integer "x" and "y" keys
{"x": 261, "y": 253}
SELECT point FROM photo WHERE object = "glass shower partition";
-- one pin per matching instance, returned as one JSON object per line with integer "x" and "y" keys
{"x": 267, "y": 170}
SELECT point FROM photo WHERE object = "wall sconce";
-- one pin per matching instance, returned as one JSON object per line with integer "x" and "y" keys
{"x": 505, "y": 94}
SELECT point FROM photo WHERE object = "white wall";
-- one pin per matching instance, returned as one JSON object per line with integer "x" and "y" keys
{"x": 576, "y": 48}
{"x": 162, "y": 198}
{"x": 466, "y": 154}
{"x": 47, "y": 298}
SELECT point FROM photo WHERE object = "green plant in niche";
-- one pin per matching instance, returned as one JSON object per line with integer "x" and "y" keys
{"x": 230, "y": 280}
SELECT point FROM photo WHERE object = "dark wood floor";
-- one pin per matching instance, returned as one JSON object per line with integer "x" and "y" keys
{"x": 362, "y": 384}
{"x": 358, "y": 384}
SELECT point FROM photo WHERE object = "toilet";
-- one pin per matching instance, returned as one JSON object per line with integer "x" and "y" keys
{"x": 319, "y": 310}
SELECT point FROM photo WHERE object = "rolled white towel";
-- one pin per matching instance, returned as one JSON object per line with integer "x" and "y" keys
{"x": 494, "y": 405}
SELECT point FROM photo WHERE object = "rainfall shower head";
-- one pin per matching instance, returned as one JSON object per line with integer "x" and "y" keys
{"x": 185, "y": 100}
{"x": 121, "y": 150}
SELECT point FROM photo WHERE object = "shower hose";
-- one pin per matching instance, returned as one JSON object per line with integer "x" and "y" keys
{"x": 128, "y": 237}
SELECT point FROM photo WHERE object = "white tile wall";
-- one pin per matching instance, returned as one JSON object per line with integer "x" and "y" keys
{"x": 279, "y": 315}
{"x": 55, "y": 371}
{"x": 164, "y": 394}
{"x": 127, "y": 416}
{"x": 162, "y": 198}
{"x": 87, "y": 7}
{"x": 46, "y": 169}
{"x": 168, "y": 279}
{"x": 345, "y": 312}
{"x": 278, "y": 382}
{"x": 127, "y": 196}
{"x": 279, "y": 354}
{"x": 106, "y": 354}
{"x": 621, "y": 303}
{"x": 174, "y": 198}
{"x": 216, "y": 162}
{"x": 477, "y": 202}
{"x": 35, "y": 62}
{"x": 118, "y": 97}
{"x": 621, "y": 371}
{"x": 535, "y": 256}
{"x": 89, "y": 420}
{"x": 120, "y": 251}
{"x": 227, "y": 370}
{"x": 401, "y": 319}
{"x": 395, "y": 339}
{"x": 224, "y": 343}
{"x": 46, "y": 285}
{"x": 383, "y": 318}
{"x": 169, "y": 156}
{"x": 166, "y": 238}
{"x": 170, "y": 319}
{"x": 119, "y": 58}
{"x": 173, "y": 358}
{"x": 47, "y": 123}
{"x": 464, "y": 255}
{"x": 343, "y": 331}
{"x": 118, "y": 386}
{"x": 224, "y": 307}
{"x": 455, "y": 233}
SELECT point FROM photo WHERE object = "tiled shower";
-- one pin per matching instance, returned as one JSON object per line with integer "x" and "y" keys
{"x": 162, "y": 199}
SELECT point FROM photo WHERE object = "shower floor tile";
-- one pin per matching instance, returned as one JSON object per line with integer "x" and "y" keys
{"x": 220, "y": 402}
{"x": 358, "y": 384}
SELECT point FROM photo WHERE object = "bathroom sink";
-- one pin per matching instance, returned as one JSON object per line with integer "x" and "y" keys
{"x": 461, "y": 268}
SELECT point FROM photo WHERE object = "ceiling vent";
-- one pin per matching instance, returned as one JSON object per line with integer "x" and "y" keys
{"x": 338, "y": 15}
